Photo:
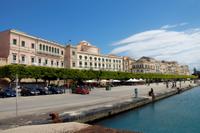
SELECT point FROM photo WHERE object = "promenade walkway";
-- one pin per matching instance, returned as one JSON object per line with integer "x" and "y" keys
{"x": 42, "y": 105}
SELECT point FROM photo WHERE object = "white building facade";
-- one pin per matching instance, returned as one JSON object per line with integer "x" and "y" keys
{"x": 87, "y": 56}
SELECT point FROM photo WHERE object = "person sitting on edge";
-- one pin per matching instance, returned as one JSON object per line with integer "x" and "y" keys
{"x": 151, "y": 93}
{"x": 178, "y": 90}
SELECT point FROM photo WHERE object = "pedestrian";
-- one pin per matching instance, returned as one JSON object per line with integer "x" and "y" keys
{"x": 136, "y": 92}
{"x": 151, "y": 93}
{"x": 178, "y": 90}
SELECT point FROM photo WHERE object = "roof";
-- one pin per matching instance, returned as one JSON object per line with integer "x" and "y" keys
{"x": 146, "y": 59}
{"x": 34, "y": 37}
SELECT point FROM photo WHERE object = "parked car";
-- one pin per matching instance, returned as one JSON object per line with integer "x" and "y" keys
{"x": 55, "y": 90}
{"x": 43, "y": 91}
{"x": 82, "y": 90}
{"x": 8, "y": 92}
{"x": 29, "y": 91}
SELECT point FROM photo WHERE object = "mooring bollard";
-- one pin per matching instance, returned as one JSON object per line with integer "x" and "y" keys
{"x": 55, "y": 117}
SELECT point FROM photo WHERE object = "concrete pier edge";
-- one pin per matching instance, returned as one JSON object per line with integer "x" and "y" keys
{"x": 116, "y": 108}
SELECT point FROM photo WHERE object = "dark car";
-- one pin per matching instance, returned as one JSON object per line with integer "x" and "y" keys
{"x": 55, "y": 90}
{"x": 82, "y": 90}
{"x": 43, "y": 91}
{"x": 8, "y": 93}
{"x": 29, "y": 91}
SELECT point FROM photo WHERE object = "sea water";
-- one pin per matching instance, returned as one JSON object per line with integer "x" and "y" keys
{"x": 176, "y": 114}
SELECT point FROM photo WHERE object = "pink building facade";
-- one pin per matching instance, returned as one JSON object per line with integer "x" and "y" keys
{"x": 20, "y": 48}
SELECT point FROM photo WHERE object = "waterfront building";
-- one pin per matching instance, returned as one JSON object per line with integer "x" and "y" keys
{"x": 150, "y": 65}
{"x": 87, "y": 56}
{"x": 128, "y": 64}
{"x": 17, "y": 47}
{"x": 184, "y": 70}
{"x": 146, "y": 65}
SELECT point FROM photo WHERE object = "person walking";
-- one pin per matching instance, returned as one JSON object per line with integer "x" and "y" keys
{"x": 136, "y": 92}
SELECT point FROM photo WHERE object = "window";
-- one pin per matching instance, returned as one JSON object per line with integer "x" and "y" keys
{"x": 62, "y": 64}
{"x": 52, "y": 63}
{"x": 99, "y": 65}
{"x": 23, "y": 58}
{"x": 32, "y": 45}
{"x": 113, "y": 60}
{"x": 46, "y": 62}
{"x": 15, "y": 41}
{"x": 74, "y": 64}
{"x": 73, "y": 53}
{"x": 95, "y": 64}
{"x": 40, "y": 46}
{"x": 52, "y": 50}
{"x": 32, "y": 59}
{"x": 85, "y": 57}
{"x": 80, "y": 57}
{"x": 109, "y": 60}
{"x": 43, "y": 47}
{"x": 14, "y": 57}
{"x": 103, "y": 65}
{"x": 80, "y": 64}
{"x": 103, "y": 59}
{"x": 85, "y": 64}
{"x": 95, "y": 58}
{"x": 90, "y": 63}
{"x": 57, "y": 63}
{"x": 61, "y": 52}
{"x": 39, "y": 61}
{"x": 47, "y": 48}
{"x": 23, "y": 43}
{"x": 90, "y": 58}
{"x": 58, "y": 51}
{"x": 106, "y": 60}
{"x": 99, "y": 59}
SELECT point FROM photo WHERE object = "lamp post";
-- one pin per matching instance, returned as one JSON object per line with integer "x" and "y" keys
{"x": 16, "y": 99}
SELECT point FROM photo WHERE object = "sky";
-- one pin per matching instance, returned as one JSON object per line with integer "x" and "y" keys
{"x": 162, "y": 29}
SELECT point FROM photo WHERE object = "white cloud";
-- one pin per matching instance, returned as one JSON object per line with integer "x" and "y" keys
{"x": 173, "y": 26}
{"x": 163, "y": 44}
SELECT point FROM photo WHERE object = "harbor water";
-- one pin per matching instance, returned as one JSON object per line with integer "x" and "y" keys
{"x": 176, "y": 114}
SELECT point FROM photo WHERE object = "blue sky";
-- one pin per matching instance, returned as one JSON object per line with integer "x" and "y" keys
{"x": 104, "y": 23}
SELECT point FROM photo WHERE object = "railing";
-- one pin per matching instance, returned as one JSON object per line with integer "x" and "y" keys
{"x": 47, "y": 52}
{"x": 14, "y": 61}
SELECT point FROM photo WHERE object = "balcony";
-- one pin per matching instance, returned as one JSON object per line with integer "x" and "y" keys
{"x": 23, "y": 62}
{"x": 34, "y": 63}
{"x": 48, "y": 53}
{"x": 14, "y": 61}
